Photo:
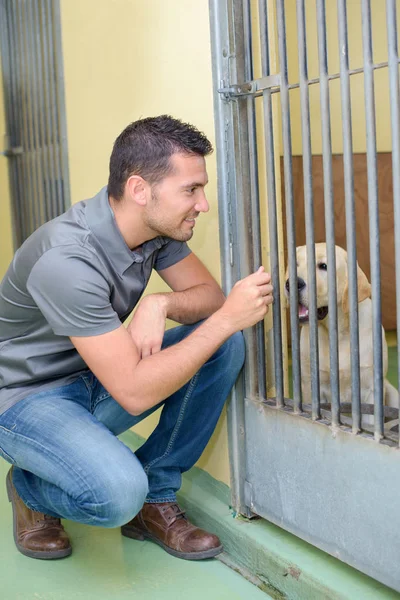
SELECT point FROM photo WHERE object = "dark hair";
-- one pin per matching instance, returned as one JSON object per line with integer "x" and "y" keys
{"x": 145, "y": 146}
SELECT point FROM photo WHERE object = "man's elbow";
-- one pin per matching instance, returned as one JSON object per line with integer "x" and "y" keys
{"x": 135, "y": 405}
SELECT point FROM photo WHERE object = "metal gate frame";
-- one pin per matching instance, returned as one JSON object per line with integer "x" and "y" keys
{"x": 328, "y": 483}
{"x": 36, "y": 145}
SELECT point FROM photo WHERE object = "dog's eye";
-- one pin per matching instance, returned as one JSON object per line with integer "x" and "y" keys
{"x": 323, "y": 266}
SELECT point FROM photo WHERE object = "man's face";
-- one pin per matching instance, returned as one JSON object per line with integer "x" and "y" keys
{"x": 178, "y": 199}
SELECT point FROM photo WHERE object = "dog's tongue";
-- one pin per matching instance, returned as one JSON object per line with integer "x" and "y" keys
{"x": 303, "y": 311}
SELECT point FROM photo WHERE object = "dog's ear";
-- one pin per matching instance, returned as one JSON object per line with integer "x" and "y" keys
{"x": 364, "y": 286}
{"x": 364, "y": 289}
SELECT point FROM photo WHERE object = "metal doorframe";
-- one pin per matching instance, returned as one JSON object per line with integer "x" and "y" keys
{"x": 269, "y": 479}
{"x": 236, "y": 181}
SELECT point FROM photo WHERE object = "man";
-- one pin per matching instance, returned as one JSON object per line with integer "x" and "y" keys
{"x": 72, "y": 377}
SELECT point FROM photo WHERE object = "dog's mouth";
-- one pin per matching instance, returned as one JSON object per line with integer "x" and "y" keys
{"x": 304, "y": 315}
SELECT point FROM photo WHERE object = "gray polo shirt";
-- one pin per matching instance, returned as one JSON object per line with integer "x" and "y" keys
{"x": 74, "y": 276}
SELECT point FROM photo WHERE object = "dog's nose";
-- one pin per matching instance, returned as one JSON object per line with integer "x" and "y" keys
{"x": 300, "y": 284}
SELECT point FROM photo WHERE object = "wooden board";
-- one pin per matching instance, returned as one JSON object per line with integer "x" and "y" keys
{"x": 384, "y": 162}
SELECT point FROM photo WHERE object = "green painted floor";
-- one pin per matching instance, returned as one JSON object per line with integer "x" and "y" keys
{"x": 104, "y": 565}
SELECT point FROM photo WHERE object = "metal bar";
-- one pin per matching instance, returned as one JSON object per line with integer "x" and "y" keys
{"x": 391, "y": 20}
{"x": 20, "y": 167}
{"x": 41, "y": 114}
{"x": 9, "y": 106}
{"x": 290, "y": 211}
{"x": 27, "y": 86}
{"x": 373, "y": 210}
{"x": 27, "y": 216}
{"x": 350, "y": 214}
{"x": 61, "y": 109}
{"x": 256, "y": 87}
{"x": 48, "y": 142}
{"x": 329, "y": 213}
{"x": 58, "y": 204}
{"x": 272, "y": 212}
{"x": 31, "y": 110}
{"x": 254, "y": 191}
{"x": 309, "y": 208}
{"x": 36, "y": 112}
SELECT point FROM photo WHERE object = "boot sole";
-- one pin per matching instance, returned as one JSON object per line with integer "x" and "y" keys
{"x": 31, "y": 553}
{"x": 141, "y": 536}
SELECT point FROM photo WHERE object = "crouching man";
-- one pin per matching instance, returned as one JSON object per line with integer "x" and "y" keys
{"x": 73, "y": 377}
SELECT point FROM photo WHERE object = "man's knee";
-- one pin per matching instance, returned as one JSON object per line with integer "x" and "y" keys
{"x": 121, "y": 497}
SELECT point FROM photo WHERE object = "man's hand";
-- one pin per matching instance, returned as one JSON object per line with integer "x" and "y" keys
{"x": 248, "y": 301}
{"x": 147, "y": 327}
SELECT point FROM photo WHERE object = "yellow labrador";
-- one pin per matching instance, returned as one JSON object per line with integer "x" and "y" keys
{"x": 365, "y": 329}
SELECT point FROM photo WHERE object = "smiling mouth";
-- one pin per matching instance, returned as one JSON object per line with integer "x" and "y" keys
{"x": 304, "y": 315}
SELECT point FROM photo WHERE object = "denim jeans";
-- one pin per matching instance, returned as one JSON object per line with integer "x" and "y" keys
{"x": 68, "y": 462}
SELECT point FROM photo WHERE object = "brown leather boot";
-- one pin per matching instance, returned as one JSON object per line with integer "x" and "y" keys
{"x": 36, "y": 535}
{"x": 166, "y": 525}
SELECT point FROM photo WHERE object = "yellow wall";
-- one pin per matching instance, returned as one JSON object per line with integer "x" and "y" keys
{"x": 6, "y": 241}
{"x": 128, "y": 59}
{"x": 378, "y": 14}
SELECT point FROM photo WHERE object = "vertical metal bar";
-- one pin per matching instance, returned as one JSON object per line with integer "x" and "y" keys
{"x": 329, "y": 213}
{"x": 373, "y": 210}
{"x": 36, "y": 113}
{"x": 41, "y": 112}
{"x": 7, "y": 56}
{"x": 26, "y": 82}
{"x": 20, "y": 166}
{"x": 272, "y": 212}
{"x": 27, "y": 217}
{"x": 309, "y": 207}
{"x": 50, "y": 183}
{"x": 254, "y": 189}
{"x": 58, "y": 204}
{"x": 395, "y": 118}
{"x": 61, "y": 109}
{"x": 242, "y": 194}
{"x": 289, "y": 200}
{"x": 350, "y": 214}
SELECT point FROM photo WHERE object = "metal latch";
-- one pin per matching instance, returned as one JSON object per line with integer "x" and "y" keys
{"x": 15, "y": 151}
{"x": 251, "y": 88}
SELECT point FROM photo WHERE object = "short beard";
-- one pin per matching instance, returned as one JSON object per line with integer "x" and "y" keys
{"x": 163, "y": 229}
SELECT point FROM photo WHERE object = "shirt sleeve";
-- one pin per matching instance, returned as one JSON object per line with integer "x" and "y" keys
{"x": 72, "y": 293}
{"x": 171, "y": 253}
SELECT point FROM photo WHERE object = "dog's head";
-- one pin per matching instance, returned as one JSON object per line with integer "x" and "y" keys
{"x": 321, "y": 265}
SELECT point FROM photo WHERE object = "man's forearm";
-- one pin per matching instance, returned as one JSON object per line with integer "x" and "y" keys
{"x": 190, "y": 354}
{"x": 194, "y": 304}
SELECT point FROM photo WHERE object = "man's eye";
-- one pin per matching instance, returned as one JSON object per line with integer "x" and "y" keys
{"x": 191, "y": 190}
{"x": 323, "y": 266}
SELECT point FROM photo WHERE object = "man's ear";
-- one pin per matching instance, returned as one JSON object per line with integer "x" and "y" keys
{"x": 363, "y": 288}
{"x": 136, "y": 187}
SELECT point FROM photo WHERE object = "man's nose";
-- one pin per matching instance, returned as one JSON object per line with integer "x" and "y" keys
{"x": 202, "y": 205}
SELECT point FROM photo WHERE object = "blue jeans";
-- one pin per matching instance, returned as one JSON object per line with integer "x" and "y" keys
{"x": 68, "y": 462}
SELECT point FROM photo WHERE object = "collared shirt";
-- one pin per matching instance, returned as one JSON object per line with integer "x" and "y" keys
{"x": 74, "y": 276}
